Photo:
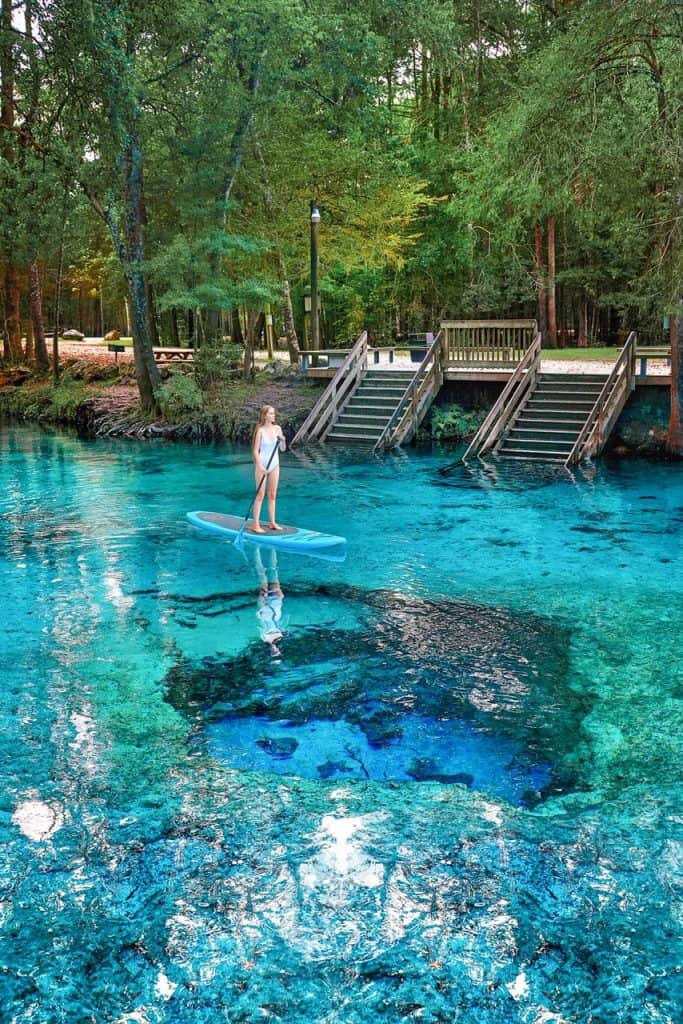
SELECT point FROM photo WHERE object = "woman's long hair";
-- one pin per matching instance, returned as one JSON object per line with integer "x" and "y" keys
{"x": 261, "y": 420}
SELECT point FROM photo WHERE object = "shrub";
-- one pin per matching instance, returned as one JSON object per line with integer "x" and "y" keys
{"x": 453, "y": 423}
{"x": 67, "y": 397}
{"x": 215, "y": 363}
{"x": 180, "y": 397}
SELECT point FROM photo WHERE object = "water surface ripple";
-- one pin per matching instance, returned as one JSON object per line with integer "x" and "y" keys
{"x": 449, "y": 790}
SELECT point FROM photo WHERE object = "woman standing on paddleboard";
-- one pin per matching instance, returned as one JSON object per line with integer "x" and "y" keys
{"x": 268, "y": 442}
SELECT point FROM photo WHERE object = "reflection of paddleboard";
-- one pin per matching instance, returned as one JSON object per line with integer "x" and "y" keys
{"x": 289, "y": 538}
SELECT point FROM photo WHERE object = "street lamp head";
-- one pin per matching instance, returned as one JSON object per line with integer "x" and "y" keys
{"x": 315, "y": 215}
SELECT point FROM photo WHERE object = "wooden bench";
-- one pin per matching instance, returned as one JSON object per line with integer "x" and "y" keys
{"x": 645, "y": 352}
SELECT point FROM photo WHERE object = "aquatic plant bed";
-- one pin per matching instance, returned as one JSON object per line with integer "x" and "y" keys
{"x": 450, "y": 790}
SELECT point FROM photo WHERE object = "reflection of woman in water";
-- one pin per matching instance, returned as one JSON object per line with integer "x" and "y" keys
{"x": 269, "y": 606}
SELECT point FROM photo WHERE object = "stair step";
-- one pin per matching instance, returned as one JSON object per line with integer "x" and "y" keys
{"x": 379, "y": 388}
{"x": 350, "y": 430}
{"x": 356, "y": 418}
{"x": 575, "y": 378}
{"x": 558, "y": 416}
{"x": 535, "y": 449}
{"x": 568, "y": 393}
{"x": 362, "y": 440}
{"x": 530, "y": 434}
{"x": 397, "y": 375}
{"x": 532, "y": 456}
{"x": 373, "y": 409}
{"x": 557, "y": 405}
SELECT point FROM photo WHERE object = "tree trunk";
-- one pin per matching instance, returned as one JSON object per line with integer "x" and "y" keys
{"x": 146, "y": 370}
{"x": 288, "y": 313}
{"x": 36, "y": 302}
{"x": 252, "y": 325}
{"x": 28, "y": 347}
{"x": 552, "y": 300}
{"x": 175, "y": 334}
{"x": 540, "y": 285}
{"x": 12, "y": 331}
{"x": 13, "y": 349}
{"x": 57, "y": 311}
{"x": 675, "y": 439}
{"x": 582, "y": 340}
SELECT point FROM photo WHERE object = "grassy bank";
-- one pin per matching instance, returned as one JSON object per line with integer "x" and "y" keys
{"x": 103, "y": 399}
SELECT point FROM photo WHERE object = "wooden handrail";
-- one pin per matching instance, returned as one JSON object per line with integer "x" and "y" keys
{"x": 607, "y": 403}
{"x": 328, "y": 404}
{"x": 505, "y": 407}
{"x": 414, "y": 394}
{"x": 487, "y": 342}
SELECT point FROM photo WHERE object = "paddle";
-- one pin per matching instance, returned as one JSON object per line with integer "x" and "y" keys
{"x": 238, "y": 539}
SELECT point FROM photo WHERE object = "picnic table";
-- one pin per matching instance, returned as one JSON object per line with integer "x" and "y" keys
{"x": 164, "y": 356}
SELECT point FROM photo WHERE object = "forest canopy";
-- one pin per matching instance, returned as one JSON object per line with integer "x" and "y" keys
{"x": 484, "y": 158}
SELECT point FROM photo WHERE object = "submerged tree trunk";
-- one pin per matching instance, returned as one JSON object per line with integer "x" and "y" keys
{"x": 36, "y": 302}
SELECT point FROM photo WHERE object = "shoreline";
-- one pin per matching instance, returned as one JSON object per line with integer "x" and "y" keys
{"x": 99, "y": 405}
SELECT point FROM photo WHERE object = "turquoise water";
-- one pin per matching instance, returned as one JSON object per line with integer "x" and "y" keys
{"x": 449, "y": 791}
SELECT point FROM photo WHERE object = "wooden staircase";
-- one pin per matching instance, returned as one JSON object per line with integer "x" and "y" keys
{"x": 547, "y": 426}
{"x": 561, "y": 418}
{"x": 374, "y": 408}
{"x": 366, "y": 415}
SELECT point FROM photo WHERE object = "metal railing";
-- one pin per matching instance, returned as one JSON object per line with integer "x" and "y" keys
{"x": 608, "y": 405}
{"x": 415, "y": 400}
{"x": 509, "y": 402}
{"x": 336, "y": 394}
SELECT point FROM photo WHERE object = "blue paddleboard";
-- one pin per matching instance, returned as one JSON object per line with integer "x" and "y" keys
{"x": 289, "y": 538}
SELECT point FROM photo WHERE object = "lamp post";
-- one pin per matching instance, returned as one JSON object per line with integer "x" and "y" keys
{"x": 315, "y": 220}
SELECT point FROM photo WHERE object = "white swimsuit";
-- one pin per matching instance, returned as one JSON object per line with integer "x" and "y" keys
{"x": 265, "y": 450}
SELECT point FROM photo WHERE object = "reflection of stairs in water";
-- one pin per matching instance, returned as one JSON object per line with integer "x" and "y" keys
{"x": 364, "y": 417}
{"x": 548, "y": 424}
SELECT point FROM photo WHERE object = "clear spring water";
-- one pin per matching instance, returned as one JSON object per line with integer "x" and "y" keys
{"x": 451, "y": 791}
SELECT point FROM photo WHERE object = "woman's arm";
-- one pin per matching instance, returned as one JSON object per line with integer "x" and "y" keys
{"x": 282, "y": 440}
{"x": 255, "y": 451}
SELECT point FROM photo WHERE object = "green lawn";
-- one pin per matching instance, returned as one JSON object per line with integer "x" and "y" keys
{"x": 605, "y": 352}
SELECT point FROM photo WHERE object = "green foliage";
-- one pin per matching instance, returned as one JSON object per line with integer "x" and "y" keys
{"x": 46, "y": 402}
{"x": 434, "y": 137}
{"x": 180, "y": 397}
{"x": 217, "y": 363}
{"x": 453, "y": 423}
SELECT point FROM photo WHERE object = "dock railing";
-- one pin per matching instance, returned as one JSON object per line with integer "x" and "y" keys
{"x": 608, "y": 405}
{"x": 416, "y": 399}
{"x": 486, "y": 343}
{"x": 512, "y": 396}
{"x": 336, "y": 394}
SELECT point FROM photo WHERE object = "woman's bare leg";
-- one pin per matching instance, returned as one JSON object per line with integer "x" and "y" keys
{"x": 273, "y": 481}
{"x": 258, "y": 500}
